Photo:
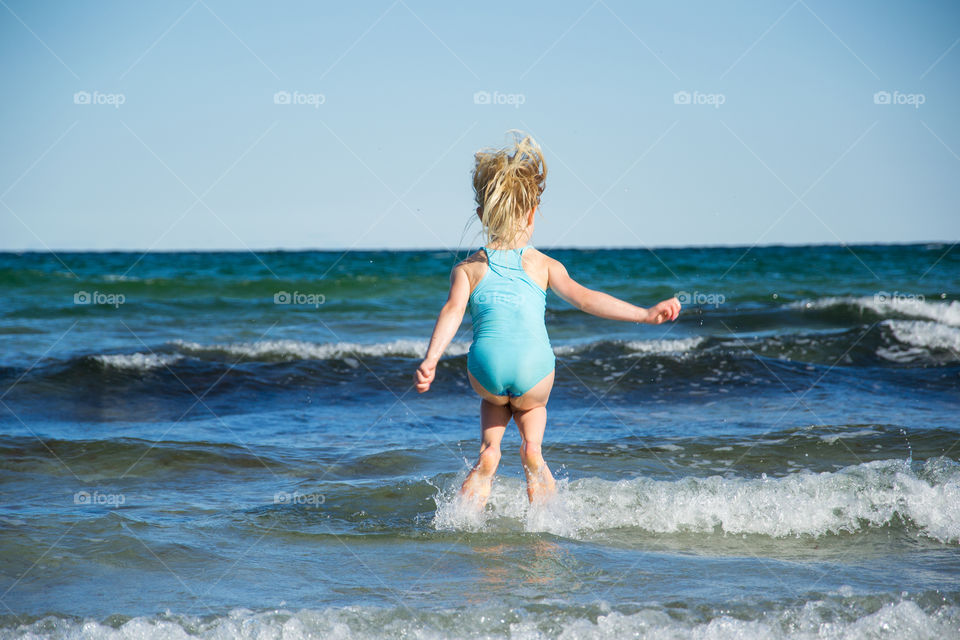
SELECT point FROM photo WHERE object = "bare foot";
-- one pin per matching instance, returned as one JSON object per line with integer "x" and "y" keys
{"x": 540, "y": 484}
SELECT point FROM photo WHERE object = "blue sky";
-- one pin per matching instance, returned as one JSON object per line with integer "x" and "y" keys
{"x": 227, "y": 125}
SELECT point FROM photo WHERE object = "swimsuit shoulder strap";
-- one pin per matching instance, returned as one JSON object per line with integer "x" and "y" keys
{"x": 508, "y": 257}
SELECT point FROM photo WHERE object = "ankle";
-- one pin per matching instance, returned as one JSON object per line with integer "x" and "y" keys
{"x": 534, "y": 466}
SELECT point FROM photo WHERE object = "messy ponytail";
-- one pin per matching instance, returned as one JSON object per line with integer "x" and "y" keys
{"x": 508, "y": 183}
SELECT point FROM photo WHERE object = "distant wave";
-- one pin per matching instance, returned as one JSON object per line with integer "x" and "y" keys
{"x": 300, "y": 350}
{"x": 852, "y": 499}
{"x": 137, "y": 361}
{"x": 904, "y": 342}
{"x": 640, "y": 347}
{"x": 890, "y": 305}
{"x": 720, "y": 360}
{"x": 676, "y": 346}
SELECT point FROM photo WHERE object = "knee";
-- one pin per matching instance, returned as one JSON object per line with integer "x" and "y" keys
{"x": 490, "y": 458}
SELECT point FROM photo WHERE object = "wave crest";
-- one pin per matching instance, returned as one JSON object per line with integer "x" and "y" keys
{"x": 890, "y": 305}
{"x": 136, "y": 361}
{"x": 870, "y": 494}
{"x": 918, "y": 338}
{"x": 301, "y": 350}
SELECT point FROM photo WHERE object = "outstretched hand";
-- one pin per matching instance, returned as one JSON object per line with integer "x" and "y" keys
{"x": 668, "y": 310}
{"x": 426, "y": 372}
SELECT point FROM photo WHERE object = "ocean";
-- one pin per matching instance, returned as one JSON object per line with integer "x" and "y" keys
{"x": 229, "y": 445}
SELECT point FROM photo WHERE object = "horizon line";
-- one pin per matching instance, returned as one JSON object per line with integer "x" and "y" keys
{"x": 449, "y": 250}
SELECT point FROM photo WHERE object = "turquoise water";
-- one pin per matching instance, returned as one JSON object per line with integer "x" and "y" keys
{"x": 229, "y": 445}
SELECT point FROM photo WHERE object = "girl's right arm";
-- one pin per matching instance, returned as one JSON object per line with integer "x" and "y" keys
{"x": 603, "y": 305}
{"x": 451, "y": 315}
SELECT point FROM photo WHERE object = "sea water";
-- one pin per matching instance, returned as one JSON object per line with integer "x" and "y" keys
{"x": 226, "y": 445}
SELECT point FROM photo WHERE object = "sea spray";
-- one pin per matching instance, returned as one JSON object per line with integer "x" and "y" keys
{"x": 850, "y": 500}
{"x": 833, "y": 618}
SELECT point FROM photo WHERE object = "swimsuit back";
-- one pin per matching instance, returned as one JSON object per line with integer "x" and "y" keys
{"x": 507, "y": 304}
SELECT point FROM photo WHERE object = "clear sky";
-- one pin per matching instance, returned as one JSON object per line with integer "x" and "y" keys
{"x": 215, "y": 124}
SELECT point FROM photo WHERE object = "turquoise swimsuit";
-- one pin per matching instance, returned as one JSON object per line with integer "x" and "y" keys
{"x": 510, "y": 352}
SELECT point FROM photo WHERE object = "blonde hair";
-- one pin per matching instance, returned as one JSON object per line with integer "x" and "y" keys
{"x": 508, "y": 183}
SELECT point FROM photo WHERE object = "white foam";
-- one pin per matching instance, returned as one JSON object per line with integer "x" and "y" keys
{"x": 925, "y": 334}
{"x": 137, "y": 361}
{"x": 904, "y": 619}
{"x": 832, "y": 438}
{"x": 891, "y": 305}
{"x": 818, "y": 619}
{"x": 872, "y": 494}
{"x": 570, "y": 349}
{"x": 300, "y": 350}
{"x": 666, "y": 346}
{"x": 639, "y": 347}
{"x": 918, "y": 334}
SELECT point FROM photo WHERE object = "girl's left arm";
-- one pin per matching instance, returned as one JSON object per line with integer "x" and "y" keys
{"x": 604, "y": 305}
{"x": 451, "y": 315}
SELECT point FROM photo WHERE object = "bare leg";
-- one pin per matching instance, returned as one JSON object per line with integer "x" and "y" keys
{"x": 530, "y": 414}
{"x": 540, "y": 483}
{"x": 493, "y": 421}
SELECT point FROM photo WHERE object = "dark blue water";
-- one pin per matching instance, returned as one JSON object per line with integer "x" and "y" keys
{"x": 229, "y": 445}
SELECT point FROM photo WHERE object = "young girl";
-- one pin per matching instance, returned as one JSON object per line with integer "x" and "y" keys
{"x": 510, "y": 364}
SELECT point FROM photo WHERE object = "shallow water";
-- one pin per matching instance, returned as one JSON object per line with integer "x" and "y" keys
{"x": 197, "y": 460}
